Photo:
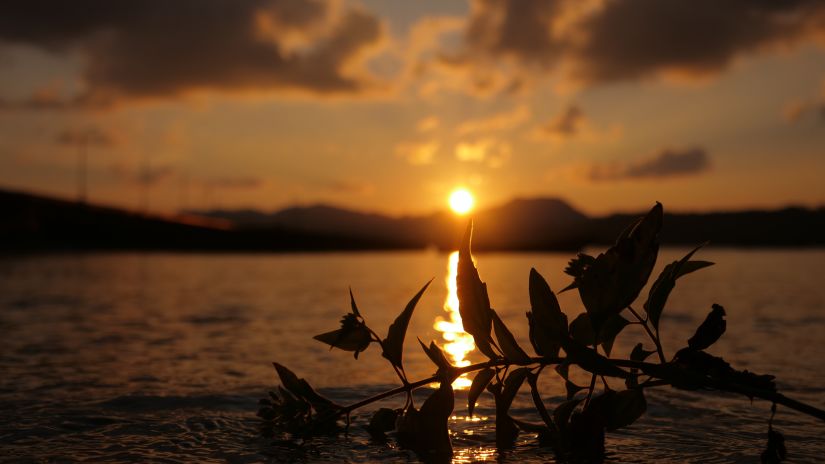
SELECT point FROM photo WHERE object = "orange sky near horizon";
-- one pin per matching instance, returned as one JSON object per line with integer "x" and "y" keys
{"x": 390, "y": 106}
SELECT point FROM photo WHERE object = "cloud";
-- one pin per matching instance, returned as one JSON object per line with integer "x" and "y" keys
{"x": 501, "y": 121}
{"x": 491, "y": 151}
{"x": 345, "y": 186}
{"x": 795, "y": 110}
{"x": 154, "y": 49}
{"x": 89, "y": 136}
{"x": 234, "y": 183}
{"x": 430, "y": 123}
{"x": 417, "y": 154}
{"x": 665, "y": 164}
{"x": 566, "y": 125}
{"x": 507, "y": 44}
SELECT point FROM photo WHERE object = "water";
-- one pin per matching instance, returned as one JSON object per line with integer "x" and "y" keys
{"x": 162, "y": 357}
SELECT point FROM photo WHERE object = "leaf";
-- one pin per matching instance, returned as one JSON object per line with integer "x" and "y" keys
{"x": 639, "y": 353}
{"x": 354, "y": 335}
{"x": 561, "y": 415}
{"x": 572, "y": 389}
{"x": 512, "y": 384}
{"x": 480, "y": 382}
{"x": 614, "y": 279}
{"x": 507, "y": 342}
{"x": 425, "y": 431}
{"x": 532, "y": 379}
{"x": 660, "y": 290}
{"x": 548, "y": 324}
{"x": 775, "y": 451}
{"x": 382, "y": 421}
{"x": 437, "y": 356}
{"x": 576, "y": 268}
{"x": 394, "y": 343}
{"x": 591, "y": 361}
{"x": 473, "y": 301}
{"x": 353, "y": 305}
{"x": 710, "y": 330}
{"x": 302, "y": 389}
{"x": 624, "y": 408}
{"x": 582, "y": 331}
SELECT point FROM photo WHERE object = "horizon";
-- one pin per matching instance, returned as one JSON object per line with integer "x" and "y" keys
{"x": 387, "y": 107}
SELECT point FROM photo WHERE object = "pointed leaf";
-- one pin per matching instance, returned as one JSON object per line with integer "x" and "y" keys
{"x": 639, "y": 353}
{"x": 300, "y": 388}
{"x": 511, "y": 386}
{"x": 548, "y": 324}
{"x": 591, "y": 361}
{"x": 711, "y": 329}
{"x": 394, "y": 343}
{"x": 624, "y": 408}
{"x": 352, "y": 336}
{"x": 581, "y": 330}
{"x": 532, "y": 379}
{"x": 614, "y": 279}
{"x": 561, "y": 415}
{"x": 480, "y": 382}
{"x": 664, "y": 284}
{"x": 436, "y": 356}
{"x": 473, "y": 302}
{"x": 572, "y": 389}
{"x": 352, "y": 304}
{"x": 507, "y": 342}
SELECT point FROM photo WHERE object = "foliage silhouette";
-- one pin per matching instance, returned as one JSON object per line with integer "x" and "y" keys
{"x": 608, "y": 285}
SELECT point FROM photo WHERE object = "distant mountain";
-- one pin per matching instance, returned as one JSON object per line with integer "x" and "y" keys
{"x": 31, "y": 222}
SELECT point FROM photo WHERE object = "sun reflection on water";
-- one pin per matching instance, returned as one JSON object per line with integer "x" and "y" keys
{"x": 458, "y": 343}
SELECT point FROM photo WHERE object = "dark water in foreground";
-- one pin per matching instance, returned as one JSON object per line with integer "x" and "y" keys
{"x": 162, "y": 357}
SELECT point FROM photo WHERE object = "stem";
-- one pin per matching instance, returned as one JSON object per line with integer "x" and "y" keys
{"x": 771, "y": 396}
{"x": 653, "y": 337}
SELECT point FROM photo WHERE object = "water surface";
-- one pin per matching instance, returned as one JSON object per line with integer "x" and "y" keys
{"x": 162, "y": 357}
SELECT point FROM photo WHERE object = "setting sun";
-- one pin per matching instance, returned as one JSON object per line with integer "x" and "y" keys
{"x": 461, "y": 201}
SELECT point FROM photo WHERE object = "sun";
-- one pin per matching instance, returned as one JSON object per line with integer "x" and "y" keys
{"x": 461, "y": 201}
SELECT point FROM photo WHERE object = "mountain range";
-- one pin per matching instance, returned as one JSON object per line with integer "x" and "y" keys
{"x": 32, "y": 222}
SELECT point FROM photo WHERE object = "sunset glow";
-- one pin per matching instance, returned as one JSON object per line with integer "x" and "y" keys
{"x": 461, "y": 201}
{"x": 458, "y": 343}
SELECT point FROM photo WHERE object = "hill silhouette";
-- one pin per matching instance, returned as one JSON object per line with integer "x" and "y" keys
{"x": 32, "y": 222}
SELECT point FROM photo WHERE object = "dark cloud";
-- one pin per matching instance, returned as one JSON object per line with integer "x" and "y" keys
{"x": 157, "y": 48}
{"x": 667, "y": 163}
{"x": 626, "y": 39}
{"x": 633, "y": 39}
{"x": 565, "y": 125}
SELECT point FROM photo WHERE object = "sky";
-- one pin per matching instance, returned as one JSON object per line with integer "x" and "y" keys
{"x": 388, "y": 106}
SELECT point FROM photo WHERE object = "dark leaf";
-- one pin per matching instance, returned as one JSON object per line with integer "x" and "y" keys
{"x": 506, "y": 430}
{"x": 614, "y": 279}
{"x": 436, "y": 356}
{"x": 715, "y": 371}
{"x": 624, "y": 408}
{"x": 382, "y": 421}
{"x": 561, "y": 416}
{"x": 425, "y": 431}
{"x": 511, "y": 386}
{"x": 353, "y": 305}
{"x": 591, "y": 361}
{"x": 480, "y": 382}
{"x": 352, "y": 336}
{"x": 532, "y": 379}
{"x": 302, "y": 389}
{"x": 576, "y": 268}
{"x": 548, "y": 325}
{"x": 710, "y": 330}
{"x": 776, "y": 451}
{"x": 394, "y": 343}
{"x": 473, "y": 301}
{"x": 639, "y": 353}
{"x": 586, "y": 436}
{"x": 572, "y": 389}
{"x": 507, "y": 342}
{"x": 664, "y": 284}
{"x": 582, "y": 331}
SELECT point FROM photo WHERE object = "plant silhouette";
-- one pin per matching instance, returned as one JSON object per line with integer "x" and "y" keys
{"x": 608, "y": 284}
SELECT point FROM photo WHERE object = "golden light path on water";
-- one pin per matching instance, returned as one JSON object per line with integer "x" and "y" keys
{"x": 457, "y": 342}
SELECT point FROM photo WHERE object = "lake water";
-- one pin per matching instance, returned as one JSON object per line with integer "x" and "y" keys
{"x": 162, "y": 357}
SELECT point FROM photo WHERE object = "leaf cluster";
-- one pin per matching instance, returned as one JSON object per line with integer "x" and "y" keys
{"x": 608, "y": 285}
